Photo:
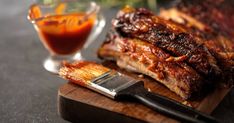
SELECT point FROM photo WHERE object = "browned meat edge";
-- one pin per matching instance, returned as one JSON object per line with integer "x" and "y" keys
{"x": 171, "y": 37}
{"x": 154, "y": 62}
{"x": 221, "y": 47}
{"x": 215, "y": 14}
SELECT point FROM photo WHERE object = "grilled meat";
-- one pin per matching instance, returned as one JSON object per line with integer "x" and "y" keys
{"x": 216, "y": 15}
{"x": 171, "y": 37}
{"x": 145, "y": 58}
{"x": 178, "y": 50}
{"x": 218, "y": 39}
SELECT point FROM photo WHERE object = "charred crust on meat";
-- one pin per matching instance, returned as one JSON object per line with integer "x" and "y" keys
{"x": 142, "y": 24}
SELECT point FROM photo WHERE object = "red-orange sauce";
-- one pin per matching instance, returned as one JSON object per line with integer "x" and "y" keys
{"x": 65, "y": 34}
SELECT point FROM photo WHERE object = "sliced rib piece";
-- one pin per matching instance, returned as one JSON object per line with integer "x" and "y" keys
{"x": 220, "y": 45}
{"x": 216, "y": 15}
{"x": 201, "y": 29}
{"x": 150, "y": 60}
{"x": 171, "y": 37}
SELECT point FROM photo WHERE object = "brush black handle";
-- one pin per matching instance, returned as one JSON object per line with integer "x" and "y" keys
{"x": 179, "y": 107}
{"x": 165, "y": 105}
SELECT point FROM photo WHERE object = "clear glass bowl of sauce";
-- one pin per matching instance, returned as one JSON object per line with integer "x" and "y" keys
{"x": 64, "y": 27}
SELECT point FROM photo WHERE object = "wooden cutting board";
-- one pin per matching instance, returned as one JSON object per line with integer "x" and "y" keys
{"x": 78, "y": 104}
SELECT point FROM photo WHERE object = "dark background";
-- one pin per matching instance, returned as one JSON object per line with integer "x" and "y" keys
{"x": 28, "y": 93}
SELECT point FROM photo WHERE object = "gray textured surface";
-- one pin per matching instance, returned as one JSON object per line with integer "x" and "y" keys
{"x": 27, "y": 92}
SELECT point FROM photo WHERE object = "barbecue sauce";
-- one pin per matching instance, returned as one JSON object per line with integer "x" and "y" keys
{"x": 65, "y": 34}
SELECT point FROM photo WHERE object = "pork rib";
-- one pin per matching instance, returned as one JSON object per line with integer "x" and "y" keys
{"x": 171, "y": 37}
{"x": 218, "y": 39}
{"x": 216, "y": 15}
{"x": 154, "y": 62}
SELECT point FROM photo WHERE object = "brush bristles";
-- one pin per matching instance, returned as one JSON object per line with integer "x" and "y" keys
{"x": 82, "y": 72}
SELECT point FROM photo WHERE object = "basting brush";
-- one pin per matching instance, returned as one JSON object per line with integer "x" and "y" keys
{"x": 119, "y": 86}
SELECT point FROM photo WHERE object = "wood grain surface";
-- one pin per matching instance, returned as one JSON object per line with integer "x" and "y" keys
{"x": 78, "y": 104}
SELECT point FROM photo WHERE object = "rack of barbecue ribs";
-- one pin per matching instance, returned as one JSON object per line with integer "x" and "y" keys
{"x": 214, "y": 22}
{"x": 185, "y": 59}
